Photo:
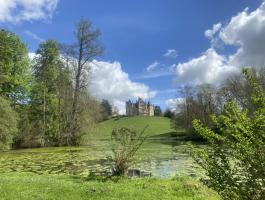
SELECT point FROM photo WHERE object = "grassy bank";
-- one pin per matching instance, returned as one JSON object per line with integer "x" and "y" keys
{"x": 156, "y": 125}
{"x": 29, "y": 186}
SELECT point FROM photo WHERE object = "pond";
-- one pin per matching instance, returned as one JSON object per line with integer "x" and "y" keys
{"x": 162, "y": 159}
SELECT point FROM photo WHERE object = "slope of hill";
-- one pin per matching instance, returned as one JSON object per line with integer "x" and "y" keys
{"x": 156, "y": 125}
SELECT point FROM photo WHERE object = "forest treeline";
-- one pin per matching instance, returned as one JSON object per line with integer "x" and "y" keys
{"x": 44, "y": 101}
{"x": 202, "y": 101}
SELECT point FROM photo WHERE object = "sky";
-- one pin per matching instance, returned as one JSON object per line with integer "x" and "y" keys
{"x": 151, "y": 47}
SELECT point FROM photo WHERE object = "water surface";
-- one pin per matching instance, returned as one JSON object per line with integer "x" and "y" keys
{"x": 163, "y": 159}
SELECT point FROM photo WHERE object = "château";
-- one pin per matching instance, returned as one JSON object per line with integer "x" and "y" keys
{"x": 139, "y": 108}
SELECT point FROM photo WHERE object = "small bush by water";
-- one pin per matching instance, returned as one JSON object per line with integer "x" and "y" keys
{"x": 125, "y": 144}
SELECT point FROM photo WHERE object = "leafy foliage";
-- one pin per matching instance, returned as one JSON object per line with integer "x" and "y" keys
{"x": 125, "y": 143}
{"x": 14, "y": 84}
{"x": 8, "y": 125}
{"x": 169, "y": 114}
{"x": 158, "y": 111}
{"x": 14, "y": 67}
{"x": 235, "y": 163}
{"x": 45, "y": 98}
{"x": 106, "y": 109}
{"x": 50, "y": 93}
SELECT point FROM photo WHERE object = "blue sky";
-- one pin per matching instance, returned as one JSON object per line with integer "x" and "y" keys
{"x": 136, "y": 34}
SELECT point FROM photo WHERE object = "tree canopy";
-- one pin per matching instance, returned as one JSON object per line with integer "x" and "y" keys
{"x": 14, "y": 67}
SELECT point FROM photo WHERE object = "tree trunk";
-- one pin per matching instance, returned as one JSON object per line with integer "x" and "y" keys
{"x": 74, "y": 127}
{"x": 44, "y": 118}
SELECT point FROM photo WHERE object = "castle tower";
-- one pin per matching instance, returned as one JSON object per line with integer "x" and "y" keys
{"x": 151, "y": 109}
{"x": 139, "y": 108}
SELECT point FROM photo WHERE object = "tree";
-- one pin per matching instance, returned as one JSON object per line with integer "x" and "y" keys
{"x": 158, "y": 111}
{"x": 239, "y": 90}
{"x": 65, "y": 99}
{"x": 199, "y": 103}
{"x": 45, "y": 97}
{"x": 106, "y": 109}
{"x": 8, "y": 125}
{"x": 15, "y": 78}
{"x": 168, "y": 113}
{"x": 183, "y": 119}
{"x": 14, "y": 68}
{"x": 84, "y": 51}
{"x": 235, "y": 163}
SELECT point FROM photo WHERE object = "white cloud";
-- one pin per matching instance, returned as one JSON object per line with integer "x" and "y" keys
{"x": 171, "y": 53}
{"x": 210, "y": 67}
{"x": 153, "y": 66}
{"x": 109, "y": 81}
{"x": 211, "y": 32}
{"x": 245, "y": 31}
{"x": 172, "y": 104}
{"x": 33, "y": 36}
{"x": 156, "y": 70}
{"x": 156, "y": 74}
{"x": 15, "y": 11}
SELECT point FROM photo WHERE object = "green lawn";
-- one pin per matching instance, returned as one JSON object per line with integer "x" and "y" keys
{"x": 156, "y": 125}
{"x": 28, "y": 186}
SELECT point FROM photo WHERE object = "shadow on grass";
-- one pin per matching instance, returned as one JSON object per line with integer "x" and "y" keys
{"x": 172, "y": 134}
{"x": 98, "y": 178}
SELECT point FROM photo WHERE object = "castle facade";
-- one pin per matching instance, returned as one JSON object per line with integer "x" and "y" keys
{"x": 139, "y": 108}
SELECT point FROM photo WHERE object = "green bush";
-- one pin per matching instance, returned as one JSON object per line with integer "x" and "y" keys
{"x": 8, "y": 124}
{"x": 125, "y": 143}
{"x": 235, "y": 161}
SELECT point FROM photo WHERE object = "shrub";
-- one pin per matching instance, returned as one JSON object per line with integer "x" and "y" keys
{"x": 125, "y": 143}
{"x": 235, "y": 161}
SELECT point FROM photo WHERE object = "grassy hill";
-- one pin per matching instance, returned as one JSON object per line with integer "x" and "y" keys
{"x": 157, "y": 125}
